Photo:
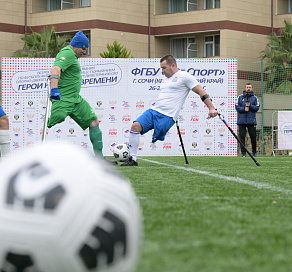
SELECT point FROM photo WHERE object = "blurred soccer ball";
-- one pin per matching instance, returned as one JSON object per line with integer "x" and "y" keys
{"x": 121, "y": 152}
{"x": 62, "y": 210}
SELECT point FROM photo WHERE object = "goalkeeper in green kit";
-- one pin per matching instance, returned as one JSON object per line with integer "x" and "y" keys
{"x": 65, "y": 88}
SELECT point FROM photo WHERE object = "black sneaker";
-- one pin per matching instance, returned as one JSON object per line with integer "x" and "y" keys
{"x": 243, "y": 155}
{"x": 130, "y": 162}
{"x": 254, "y": 154}
{"x": 110, "y": 162}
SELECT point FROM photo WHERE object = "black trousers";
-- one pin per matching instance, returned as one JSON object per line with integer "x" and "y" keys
{"x": 252, "y": 134}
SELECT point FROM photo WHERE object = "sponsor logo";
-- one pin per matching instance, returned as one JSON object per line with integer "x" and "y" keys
{"x": 208, "y": 145}
{"x": 16, "y": 145}
{"x": 140, "y": 105}
{"x": 141, "y": 144}
{"x": 112, "y": 118}
{"x": 182, "y": 131}
{"x": 84, "y": 145}
{"x": 194, "y": 118}
{"x": 180, "y": 119}
{"x": 167, "y": 146}
{"x": 42, "y": 117}
{"x": 112, "y": 104}
{"x": 126, "y": 118}
{"x": 126, "y": 105}
{"x": 221, "y": 132}
{"x": 152, "y": 103}
{"x": 112, "y": 145}
{"x": 43, "y": 104}
{"x": 194, "y": 104}
{"x": 195, "y": 132}
{"x": 29, "y": 131}
{"x": 30, "y": 117}
{"x": 58, "y": 132}
{"x": 71, "y": 121}
{"x": 16, "y": 105}
{"x": 126, "y": 132}
{"x": 286, "y": 128}
{"x": 113, "y": 132}
{"x": 194, "y": 144}
{"x": 16, "y": 131}
{"x": 207, "y": 119}
{"x": 29, "y": 144}
{"x": 153, "y": 146}
{"x": 99, "y": 117}
{"x": 221, "y": 145}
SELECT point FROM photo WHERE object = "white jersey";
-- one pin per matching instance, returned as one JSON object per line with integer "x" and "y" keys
{"x": 173, "y": 93}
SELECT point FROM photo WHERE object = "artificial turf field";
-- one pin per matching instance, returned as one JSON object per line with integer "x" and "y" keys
{"x": 217, "y": 214}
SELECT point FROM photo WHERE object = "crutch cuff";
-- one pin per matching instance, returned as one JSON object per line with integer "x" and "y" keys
{"x": 204, "y": 97}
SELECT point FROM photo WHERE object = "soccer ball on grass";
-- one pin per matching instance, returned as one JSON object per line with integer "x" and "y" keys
{"x": 62, "y": 210}
{"x": 121, "y": 152}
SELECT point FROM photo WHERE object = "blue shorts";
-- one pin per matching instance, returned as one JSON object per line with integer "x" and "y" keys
{"x": 2, "y": 112}
{"x": 152, "y": 119}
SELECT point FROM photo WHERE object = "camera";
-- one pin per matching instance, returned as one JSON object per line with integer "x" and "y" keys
{"x": 247, "y": 96}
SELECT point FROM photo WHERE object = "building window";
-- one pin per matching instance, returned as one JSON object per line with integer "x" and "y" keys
{"x": 87, "y": 34}
{"x": 182, "y": 5}
{"x": 209, "y": 4}
{"x": 289, "y": 6}
{"x": 84, "y": 3}
{"x": 184, "y": 47}
{"x": 60, "y": 4}
{"x": 212, "y": 45}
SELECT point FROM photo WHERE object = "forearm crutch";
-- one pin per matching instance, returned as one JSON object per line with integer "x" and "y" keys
{"x": 236, "y": 137}
{"x": 181, "y": 142}
{"x": 47, "y": 109}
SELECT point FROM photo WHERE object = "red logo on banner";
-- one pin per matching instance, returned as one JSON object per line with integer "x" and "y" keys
{"x": 140, "y": 105}
{"x": 195, "y": 118}
{"x": 167, "y": 146}
{"x": 126, "y": 118}
{"x": 182, "y": 131}
{"x": 113, "y": 132}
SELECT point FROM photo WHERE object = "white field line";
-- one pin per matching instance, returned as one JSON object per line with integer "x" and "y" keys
{"x": 235, "y": 179}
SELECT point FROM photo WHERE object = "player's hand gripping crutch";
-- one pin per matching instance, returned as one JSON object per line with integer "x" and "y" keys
{"x": 47, "y": 109}
{"x": 236, "y": 137}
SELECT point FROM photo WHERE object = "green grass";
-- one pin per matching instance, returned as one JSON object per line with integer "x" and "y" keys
{"x": 217, "y": 214}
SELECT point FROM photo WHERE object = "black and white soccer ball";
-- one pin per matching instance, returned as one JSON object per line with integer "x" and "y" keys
{"x": 121, "y": 152}
{"x": 62, "y": 210}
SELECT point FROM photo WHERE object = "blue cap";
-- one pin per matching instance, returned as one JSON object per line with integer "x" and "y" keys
{"x": 80, "y": 40}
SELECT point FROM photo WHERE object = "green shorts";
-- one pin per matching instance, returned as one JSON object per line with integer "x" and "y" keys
{"x": 81, "y": 113}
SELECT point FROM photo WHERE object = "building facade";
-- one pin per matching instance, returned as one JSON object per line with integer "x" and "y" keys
{"x": 185, "y": 28}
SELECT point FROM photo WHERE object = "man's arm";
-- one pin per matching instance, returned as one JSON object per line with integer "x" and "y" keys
{"x": 201, "y": 92}
{"x": 56, "y": 70}
{"x": 55, "y": 76}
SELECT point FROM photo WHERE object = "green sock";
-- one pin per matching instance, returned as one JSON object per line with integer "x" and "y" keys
{"x": 95, "y": 136}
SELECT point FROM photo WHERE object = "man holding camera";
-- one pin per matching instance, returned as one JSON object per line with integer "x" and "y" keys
{"x": 247, "y": 105}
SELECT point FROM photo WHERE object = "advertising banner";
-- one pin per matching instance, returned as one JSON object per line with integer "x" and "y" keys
{"x": 120, "y": 90}
{"x": 284, "y": 130}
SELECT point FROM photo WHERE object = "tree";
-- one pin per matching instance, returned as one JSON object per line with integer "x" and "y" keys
{"x": 116, "y": 50}
{"x": 45, "y": 44}
{"x": 279, "y": 67}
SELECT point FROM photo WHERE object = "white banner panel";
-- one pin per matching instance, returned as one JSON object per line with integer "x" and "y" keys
{"x": 284, "y": 130}
{"x": 119, "y": 90}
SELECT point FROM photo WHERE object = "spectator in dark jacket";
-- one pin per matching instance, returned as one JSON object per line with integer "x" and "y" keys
{"x": 247, "y": 105}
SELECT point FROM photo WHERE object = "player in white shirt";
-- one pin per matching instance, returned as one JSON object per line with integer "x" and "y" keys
{"x": 162, "y": 116}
